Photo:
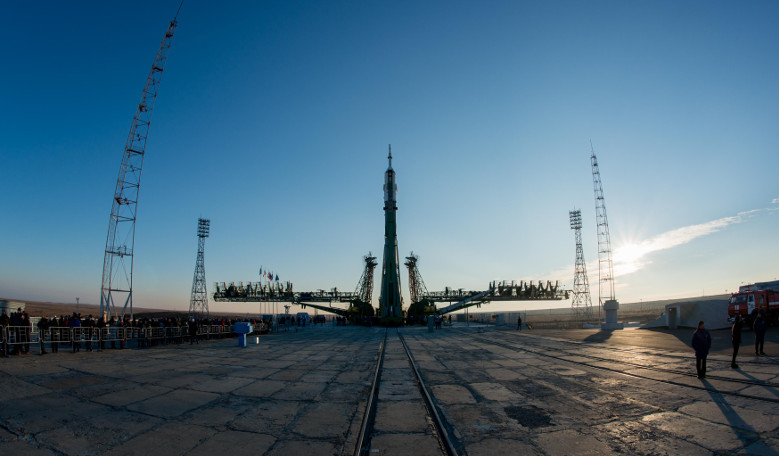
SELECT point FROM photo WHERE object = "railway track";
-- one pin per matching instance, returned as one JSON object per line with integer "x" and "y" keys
{"x": 565, "y": 356}
{"x": 397, "y": 386}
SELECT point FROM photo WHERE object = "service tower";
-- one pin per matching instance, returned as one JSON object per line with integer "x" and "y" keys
{"x": 390, "y": 304}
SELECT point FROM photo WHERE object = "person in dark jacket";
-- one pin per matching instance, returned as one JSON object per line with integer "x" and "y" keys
{"x": 759, "y": 326}
{"x": 735, "y": 336}
{"x": 5, "y": 321}
{"x": 43, "y": 325}
{"x": 193, "y": 332}
{"x": 701, "y": 343}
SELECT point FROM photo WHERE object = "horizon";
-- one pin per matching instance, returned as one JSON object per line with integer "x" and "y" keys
{"x": 273, "y": 121}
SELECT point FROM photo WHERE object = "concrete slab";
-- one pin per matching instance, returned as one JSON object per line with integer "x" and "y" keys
{"x": 261, "y": 388}
{"x": 130, "y": 395}
{"x": 492, "y": 447}
{"x": 394, "y": 444}
{"x": 570, "y": 441}
{"x": 237, "y": 443}
{"x": 304, "y": 447}
{"x": 401, "y": 416}
{"x": 173, "y": 404}
{"x": 164, "y": 441}
{"x": 324, "y": 420}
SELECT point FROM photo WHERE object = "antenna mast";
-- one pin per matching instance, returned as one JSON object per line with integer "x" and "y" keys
{"x": 117, "y": 286}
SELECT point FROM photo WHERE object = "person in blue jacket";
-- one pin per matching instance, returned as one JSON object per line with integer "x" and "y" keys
{"x": 701, "y": 343}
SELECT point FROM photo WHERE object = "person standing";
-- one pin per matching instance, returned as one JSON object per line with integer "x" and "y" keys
{"x": 54, "y": 332}
{"x": 43, "y": 325}
{"x": 193, "y": 332}
{"x": 75, "y": 332}
{"x": 4, "y": 322}
{"x": 519, "y": 322}
{"x": 735, "y": 336}
{"x": 26, "y": 331}
{"x": 701, "y": 343}
{"x": 759, "y": 326}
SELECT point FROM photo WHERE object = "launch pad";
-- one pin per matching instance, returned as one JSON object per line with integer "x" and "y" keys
{"x": 390, "y": 311}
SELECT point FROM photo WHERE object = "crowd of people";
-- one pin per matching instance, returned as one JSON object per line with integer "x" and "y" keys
{"x": 76, "y": 331}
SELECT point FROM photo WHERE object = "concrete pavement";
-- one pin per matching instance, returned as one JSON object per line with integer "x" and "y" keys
{"x": 305, "y": 392}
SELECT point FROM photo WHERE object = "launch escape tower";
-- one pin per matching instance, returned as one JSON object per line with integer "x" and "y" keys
{"x": 198, "y": 302}
{"x": 581, "y": 304}
{"x": 606, "y": 298}
{"x": 390, "y": 303}
{"x": 117, "y": 284}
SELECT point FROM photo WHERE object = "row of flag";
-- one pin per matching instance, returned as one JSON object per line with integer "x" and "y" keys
{"x": 268, "y": 275}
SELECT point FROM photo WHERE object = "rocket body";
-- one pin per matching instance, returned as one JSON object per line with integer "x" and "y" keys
{"x": 390, "y": 302}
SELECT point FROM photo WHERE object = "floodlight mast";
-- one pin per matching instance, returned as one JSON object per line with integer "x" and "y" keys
{"x": 117, "y": 283}
{"x": 198, "y": 302}
{"x": 581, "y": 304}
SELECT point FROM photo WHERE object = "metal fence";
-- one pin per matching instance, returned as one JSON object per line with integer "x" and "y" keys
{"x": 23, "y": 339}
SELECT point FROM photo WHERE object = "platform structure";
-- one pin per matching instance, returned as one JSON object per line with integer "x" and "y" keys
{"x": 359, "y": 306}
{"x": 497, "y": 291}
{"x": 259, "y": 292}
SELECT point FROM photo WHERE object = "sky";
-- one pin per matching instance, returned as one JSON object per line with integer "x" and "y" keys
{"x": 273, "y": 120}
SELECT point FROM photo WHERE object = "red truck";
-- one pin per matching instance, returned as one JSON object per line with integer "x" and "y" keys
{"x": 750, "y": 299}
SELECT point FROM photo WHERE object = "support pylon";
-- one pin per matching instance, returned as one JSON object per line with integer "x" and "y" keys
{"x": 198, "y": 302}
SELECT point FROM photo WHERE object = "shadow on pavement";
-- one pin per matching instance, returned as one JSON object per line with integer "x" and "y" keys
{"x": 746, "y": 433}
{"x": 601, "y": 336}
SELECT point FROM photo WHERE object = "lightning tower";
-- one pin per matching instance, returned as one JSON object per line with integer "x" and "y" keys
{"x": 390, "y": 304}
{"x": 606, "y": 299}
{"x": 198, "y": 302}
{"x": 117, "y": 285}
{"x": 581, "y": 305}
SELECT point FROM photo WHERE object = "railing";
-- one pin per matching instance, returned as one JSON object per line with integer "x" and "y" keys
{"x": 19, "y": 339}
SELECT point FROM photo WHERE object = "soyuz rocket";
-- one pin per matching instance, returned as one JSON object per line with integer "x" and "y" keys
{"x": 390, "y": 303}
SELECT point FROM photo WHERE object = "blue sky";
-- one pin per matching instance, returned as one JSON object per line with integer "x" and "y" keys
{"x": 273, "y": 121}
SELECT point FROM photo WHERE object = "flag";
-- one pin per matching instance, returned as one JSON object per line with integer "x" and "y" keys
{"x": 277, "y": 277}
{"x": 260, "y": 270}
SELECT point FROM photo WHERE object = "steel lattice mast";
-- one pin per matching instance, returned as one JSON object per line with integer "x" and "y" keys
{"x": 364, "y": 290}
{"x": 605, "y": 265}
{"x": 416, "y": 285}
{"x": 198, "y": 302}
{"x": 581, "y": 304}
{"x": 117, "y": 286}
